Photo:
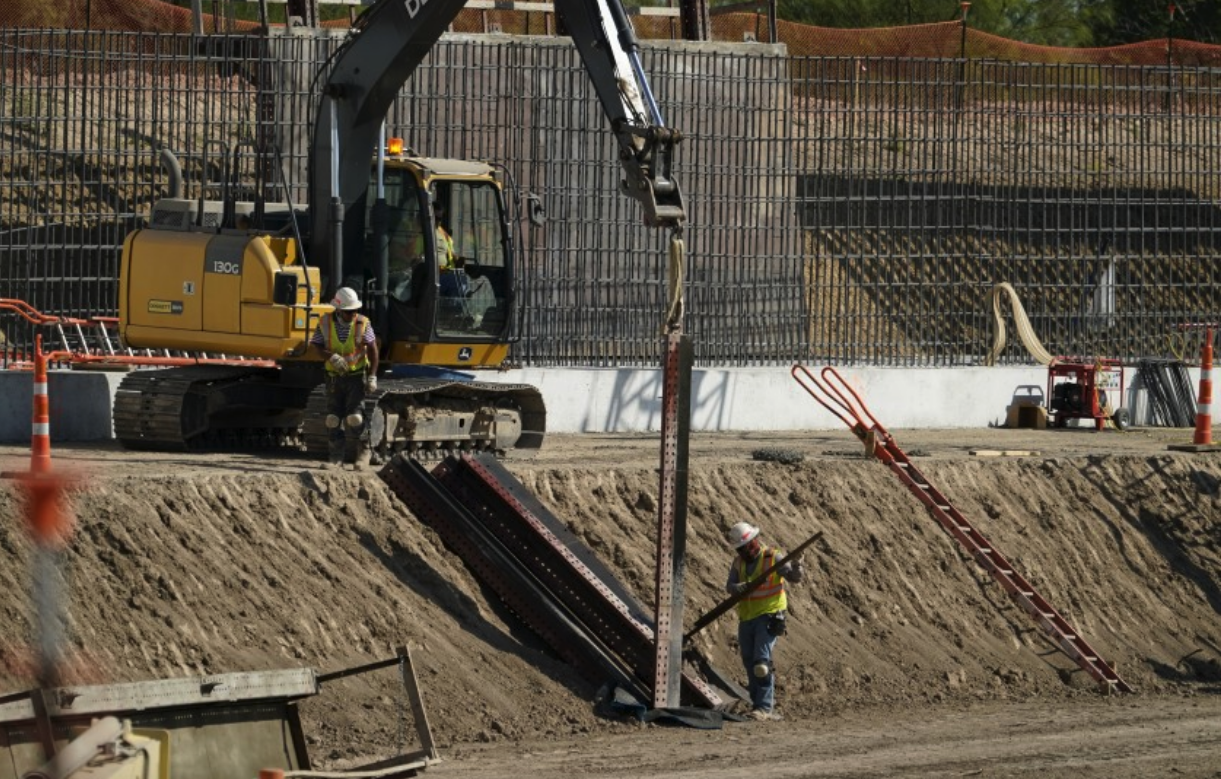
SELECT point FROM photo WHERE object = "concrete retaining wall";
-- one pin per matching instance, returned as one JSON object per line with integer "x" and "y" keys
{"x": 629, "y": 400}
{"x": 80, "y": 405}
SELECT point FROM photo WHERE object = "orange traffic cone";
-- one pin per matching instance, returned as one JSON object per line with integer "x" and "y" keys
{"x": 1204, "y": 407}
{"x": 1202, "y": 440}
{"x": 40, "y": 435}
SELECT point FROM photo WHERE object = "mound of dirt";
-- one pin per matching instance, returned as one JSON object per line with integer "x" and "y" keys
{"x": 216, "y": 564}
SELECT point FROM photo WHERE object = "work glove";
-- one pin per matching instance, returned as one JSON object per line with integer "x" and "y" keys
{"x": 337, "y": 362}
{"x": 371, "y": 384}
{"x": 739, "y": 588}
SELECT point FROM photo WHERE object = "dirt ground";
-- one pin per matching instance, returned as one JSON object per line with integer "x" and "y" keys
{"x": 904, "y": 658}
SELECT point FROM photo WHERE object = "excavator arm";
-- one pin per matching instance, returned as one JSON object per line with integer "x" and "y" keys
{"x": 389, "y": 42}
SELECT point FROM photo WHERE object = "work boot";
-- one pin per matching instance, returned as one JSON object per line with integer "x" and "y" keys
{"x": 363, "y": 457}
{"x": 334, "y": 457}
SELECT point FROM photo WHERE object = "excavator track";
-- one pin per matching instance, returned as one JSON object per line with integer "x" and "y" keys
{"x": 199, "y": 408}
{"x": 426, "y": 418}
{"x": 240, "y": 408}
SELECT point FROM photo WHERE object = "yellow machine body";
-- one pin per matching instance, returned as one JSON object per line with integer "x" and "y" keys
{"x": 214, "y": 293}
{"x": 205, "y": 289}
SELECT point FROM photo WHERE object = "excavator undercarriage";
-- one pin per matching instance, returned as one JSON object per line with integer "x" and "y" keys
{"x": 236, "y": 407}
{"x": 208, "y": 408}
{"x": 431, "y": 417}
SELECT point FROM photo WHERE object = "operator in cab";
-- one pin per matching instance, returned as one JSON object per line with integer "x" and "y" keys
{"x": 346, "y": 341}
{"x": 406, "y": 255}
{"x": 407, "y": 252}
{"x": 453, "y": 278}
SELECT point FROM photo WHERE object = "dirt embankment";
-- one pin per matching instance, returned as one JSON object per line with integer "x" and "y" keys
{"x": 206, "y": 566}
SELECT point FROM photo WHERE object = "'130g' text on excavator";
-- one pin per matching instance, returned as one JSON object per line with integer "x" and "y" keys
{"x": 232, "y": 278}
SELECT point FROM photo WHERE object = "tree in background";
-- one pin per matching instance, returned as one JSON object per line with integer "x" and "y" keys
{"x": 1142, "y": 20}
{"x": 1068, "y": 23}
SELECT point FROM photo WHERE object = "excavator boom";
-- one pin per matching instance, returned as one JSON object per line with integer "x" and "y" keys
{"x": 388, "y": 44}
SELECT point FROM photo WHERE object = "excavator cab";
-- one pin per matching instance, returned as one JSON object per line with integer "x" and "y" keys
{"x": 449, "y": 262}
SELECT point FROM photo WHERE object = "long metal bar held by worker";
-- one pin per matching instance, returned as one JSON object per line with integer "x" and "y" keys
{"x": 751, "y": 586}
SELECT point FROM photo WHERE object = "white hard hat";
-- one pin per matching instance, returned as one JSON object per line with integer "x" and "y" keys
{"x": 742, "y": 534}
{"x": 346, "y": 299}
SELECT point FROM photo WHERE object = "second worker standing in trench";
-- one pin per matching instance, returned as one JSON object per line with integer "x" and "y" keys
{"x": 761, "y": 614}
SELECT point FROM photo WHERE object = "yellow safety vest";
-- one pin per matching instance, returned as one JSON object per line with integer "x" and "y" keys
{"x": 445, "y": 249}
{"x": 767, "y": 598}
{"x": 349, "y": 349}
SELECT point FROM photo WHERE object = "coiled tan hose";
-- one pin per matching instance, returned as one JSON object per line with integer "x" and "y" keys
{"x": 674, "y": 307}
{"x": 1025, "y": 331}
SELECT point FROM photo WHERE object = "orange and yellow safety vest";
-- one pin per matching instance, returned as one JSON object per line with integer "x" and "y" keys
{"x": 767, "y": 598}
{"x": 348, "y": 348}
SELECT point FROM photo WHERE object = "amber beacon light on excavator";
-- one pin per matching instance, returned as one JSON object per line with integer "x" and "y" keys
{"x": 431, "y": 244}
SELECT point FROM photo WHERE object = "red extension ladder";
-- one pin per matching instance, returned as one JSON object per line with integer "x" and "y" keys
{"x": 845, "y": 403}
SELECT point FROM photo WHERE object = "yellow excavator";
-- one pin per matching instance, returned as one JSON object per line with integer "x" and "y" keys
{"x": 250, "y": 279}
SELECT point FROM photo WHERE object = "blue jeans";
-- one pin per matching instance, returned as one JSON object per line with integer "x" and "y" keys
{"x": 757, "y": 645}
{"x": 454, "y": 283}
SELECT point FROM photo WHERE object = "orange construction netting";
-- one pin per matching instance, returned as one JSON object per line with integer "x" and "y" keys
{"x": 946, "y": 40}
{"x": 133, "y": 15}
{"x": 940, "y": 40}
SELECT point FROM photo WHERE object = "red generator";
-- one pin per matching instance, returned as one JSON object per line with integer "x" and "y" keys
{"x": 1079, "y": 390}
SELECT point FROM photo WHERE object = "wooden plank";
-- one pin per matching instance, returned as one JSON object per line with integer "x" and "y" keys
{"x": 416, "y": 699}
{"x": 1004, "y": 453}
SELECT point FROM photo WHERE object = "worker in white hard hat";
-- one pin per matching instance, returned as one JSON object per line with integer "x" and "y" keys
{"x": 347, "y": 343}
{"x": 761, "y": 613}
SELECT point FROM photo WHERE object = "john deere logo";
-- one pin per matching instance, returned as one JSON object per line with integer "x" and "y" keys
{"x": 464, "y": 354}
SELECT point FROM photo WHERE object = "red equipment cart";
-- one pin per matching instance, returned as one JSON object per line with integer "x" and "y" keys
{"x": 1087, "y": 390}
